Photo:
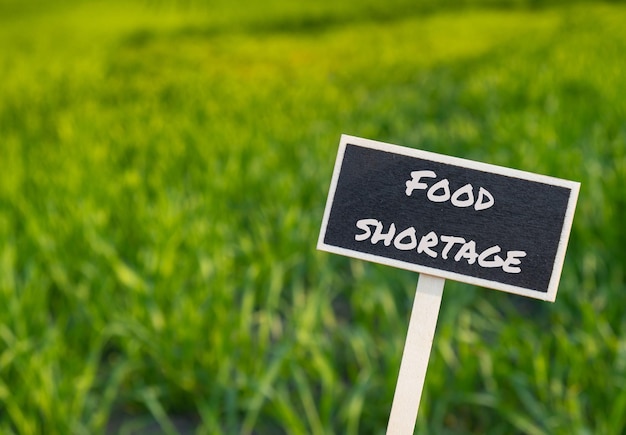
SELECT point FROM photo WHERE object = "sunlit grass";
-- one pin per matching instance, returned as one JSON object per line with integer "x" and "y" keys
{"x": 163, "y": 170}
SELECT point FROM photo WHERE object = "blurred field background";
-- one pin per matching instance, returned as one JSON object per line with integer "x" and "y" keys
{"x": 163, "y": 171}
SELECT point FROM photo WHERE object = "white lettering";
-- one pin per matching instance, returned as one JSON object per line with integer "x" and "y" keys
{"x": 439, "y": 185}
{"x": 497, "y": 260}
{"x": 466, "y": 190}
{"x": 467, "y": 251}
{"x": 463, "y": 197}
{"x": 450, "y": 242}
{"x": 428, "y": 241}
{"x": 386, "y": 238}
{"x": 512, "y": 258}
{"x": 406, "y": 246}
{"x": 414, "y": 183}
{"x": 481, "y": 204}
{"x": 364, "y": 224}
{"x": 406, "y": 240}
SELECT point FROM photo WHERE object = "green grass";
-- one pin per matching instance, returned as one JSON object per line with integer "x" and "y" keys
{"x": 163, "y": 172}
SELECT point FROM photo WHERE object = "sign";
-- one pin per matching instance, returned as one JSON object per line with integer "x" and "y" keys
{"x": 444, "y": 217}
{"x": 449, "y": 217}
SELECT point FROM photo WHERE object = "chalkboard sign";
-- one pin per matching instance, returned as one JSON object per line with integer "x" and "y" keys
{"x": 453, "y": 218}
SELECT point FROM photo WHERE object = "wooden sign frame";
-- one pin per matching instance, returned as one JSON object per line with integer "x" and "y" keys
{"x": 548, "y": 214}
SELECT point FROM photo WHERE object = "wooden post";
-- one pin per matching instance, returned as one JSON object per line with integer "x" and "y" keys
{"x": 419, "y": 340}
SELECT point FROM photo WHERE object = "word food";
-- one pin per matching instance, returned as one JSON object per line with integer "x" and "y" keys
{"x": 440, "y": 192}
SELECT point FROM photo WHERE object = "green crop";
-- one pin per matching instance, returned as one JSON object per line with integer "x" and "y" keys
{"x": 163, "y": 173}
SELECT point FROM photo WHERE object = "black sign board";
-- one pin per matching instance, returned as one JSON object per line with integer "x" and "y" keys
{"x": 449, "y": 217}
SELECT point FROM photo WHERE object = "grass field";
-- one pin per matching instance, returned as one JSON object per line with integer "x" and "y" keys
{"x": 163, "y": 172}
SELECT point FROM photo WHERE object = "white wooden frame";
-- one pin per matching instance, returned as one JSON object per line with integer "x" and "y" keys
{"x": 550, "y": 295}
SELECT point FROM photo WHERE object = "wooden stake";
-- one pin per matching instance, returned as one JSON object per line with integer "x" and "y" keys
{"x": 419, "y": 340}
